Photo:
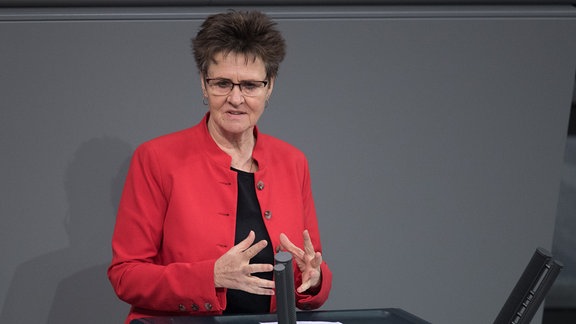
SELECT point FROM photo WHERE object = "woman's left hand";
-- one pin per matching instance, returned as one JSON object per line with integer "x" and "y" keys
{"x": 308, "y": 261}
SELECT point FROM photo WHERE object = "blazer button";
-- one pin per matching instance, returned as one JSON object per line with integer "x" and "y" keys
{"x": 208, "y": 306}
{"x": 268, "y": 214}
{"x": 182, "y": 308}
{"x": 195, "y": 307}
{"x": 260, "y": 185}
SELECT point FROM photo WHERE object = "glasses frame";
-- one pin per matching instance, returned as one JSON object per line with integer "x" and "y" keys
{"x": 264, "y": 82}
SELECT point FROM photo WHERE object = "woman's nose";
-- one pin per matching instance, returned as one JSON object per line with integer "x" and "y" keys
{"x": 235, "y": 96}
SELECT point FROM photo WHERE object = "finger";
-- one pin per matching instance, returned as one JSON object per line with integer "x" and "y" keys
{"x": 260, "y": 291}
{"x": 258, "y": 286}
{"x": 285, "y": 242}
{"x": 262, "y": 283}
{"x": 308, "y": 247}
{"x": 259, "y": 268}
{"x": 246, "y": 243}
{"x": 255, "y": 249}
{"x": 290, "y": 247}
{"x": 303, "y": 287}
{"x": 317, "y": 261}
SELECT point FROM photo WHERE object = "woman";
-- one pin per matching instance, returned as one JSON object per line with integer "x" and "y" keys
{"x": 204, "y": 209}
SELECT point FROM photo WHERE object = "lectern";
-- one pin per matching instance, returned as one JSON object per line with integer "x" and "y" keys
{"x": 286, "y": 308}
{"x": 360, "y": 316}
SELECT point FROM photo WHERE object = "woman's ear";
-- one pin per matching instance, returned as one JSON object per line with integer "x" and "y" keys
{"x": 203, "y": 86}
{"x": 270, "y": 88}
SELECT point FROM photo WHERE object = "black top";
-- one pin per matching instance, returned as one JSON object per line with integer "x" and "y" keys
{"x": 249, "y": 217}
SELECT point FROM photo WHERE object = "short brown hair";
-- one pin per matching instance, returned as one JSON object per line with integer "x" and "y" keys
{"x": 250, "y": 33}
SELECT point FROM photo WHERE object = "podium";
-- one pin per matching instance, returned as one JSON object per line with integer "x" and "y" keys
{"x": 360, "y": 316}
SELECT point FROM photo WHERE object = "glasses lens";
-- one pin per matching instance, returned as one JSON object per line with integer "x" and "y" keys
{"x": 220, "y": 86}
{"x": 251, "y": 88}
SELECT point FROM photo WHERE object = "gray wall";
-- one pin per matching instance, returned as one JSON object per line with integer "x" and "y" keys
{"x": 563, "y": 292}
{"x": 435, "y": 137}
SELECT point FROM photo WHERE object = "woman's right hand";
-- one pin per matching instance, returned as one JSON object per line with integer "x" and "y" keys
{"x": 233, "y": 269}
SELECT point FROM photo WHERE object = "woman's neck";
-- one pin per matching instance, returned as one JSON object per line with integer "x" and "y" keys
{"x": 238, "y": 146}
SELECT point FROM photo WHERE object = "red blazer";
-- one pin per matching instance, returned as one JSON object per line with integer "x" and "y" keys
{"x": 177, "y": 216}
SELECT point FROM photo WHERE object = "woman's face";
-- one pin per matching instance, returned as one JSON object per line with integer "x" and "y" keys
{"x": 235, "y": 113}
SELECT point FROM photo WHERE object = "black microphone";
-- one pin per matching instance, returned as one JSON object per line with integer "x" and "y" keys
{"x": 285, "y": 294}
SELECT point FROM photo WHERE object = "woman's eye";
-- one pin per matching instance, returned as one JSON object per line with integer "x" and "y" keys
{"x": 223, "y": 84}
{"x": 249, "y": 85}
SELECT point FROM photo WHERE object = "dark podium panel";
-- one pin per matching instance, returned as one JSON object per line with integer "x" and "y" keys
{"x": 364, "y": 316}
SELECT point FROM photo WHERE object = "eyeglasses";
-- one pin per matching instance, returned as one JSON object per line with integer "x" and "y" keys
{"x": 222, "y": 87}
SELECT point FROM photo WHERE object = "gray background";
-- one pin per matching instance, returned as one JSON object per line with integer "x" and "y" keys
{"x": 436, "y": 138}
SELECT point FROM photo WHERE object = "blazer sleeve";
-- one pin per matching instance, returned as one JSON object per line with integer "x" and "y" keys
{"x": 312, "y": 299}
{"x": 136, "y": 272}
